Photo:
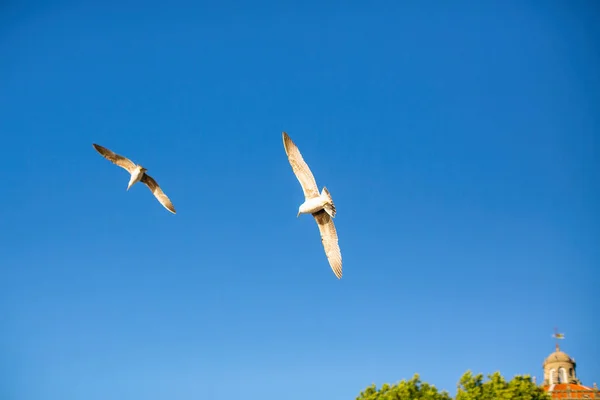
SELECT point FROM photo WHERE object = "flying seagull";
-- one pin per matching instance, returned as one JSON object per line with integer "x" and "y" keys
{"x": 138, "y": 174}
{"x": 320, "y": 205}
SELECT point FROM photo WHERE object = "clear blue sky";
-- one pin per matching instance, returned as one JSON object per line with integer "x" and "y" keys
{"x": 460, "y": 145}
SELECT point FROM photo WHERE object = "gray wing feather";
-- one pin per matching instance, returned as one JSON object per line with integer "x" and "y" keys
{"x": 330, "y": 241}
{"x": 115, "y": 158}
{"x": 158, "y": 193}
{"x": 300, "y": 168}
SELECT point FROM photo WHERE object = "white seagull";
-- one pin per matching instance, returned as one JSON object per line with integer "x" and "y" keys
{"x": 138, "y": 174}
{"x": 320, "y": 205}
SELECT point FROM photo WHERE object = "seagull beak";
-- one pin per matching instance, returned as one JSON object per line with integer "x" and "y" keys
{"x": 298, "y": 214}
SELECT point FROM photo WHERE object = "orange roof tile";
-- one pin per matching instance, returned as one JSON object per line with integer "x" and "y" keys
{"x": 561, "y": 391}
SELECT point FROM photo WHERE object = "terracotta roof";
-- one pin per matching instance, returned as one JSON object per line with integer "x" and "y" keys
{"x": 561, "y": 391}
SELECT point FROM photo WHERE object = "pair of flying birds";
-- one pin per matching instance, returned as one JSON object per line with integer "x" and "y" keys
{"x": 320, "y": 205}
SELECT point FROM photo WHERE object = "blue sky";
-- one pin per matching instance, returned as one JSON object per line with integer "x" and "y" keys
{"x": 460, "y": 144}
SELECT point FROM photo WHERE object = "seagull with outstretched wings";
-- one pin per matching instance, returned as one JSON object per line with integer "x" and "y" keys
{"x": 138, "y": 174}
{"x": 320, "y": 205}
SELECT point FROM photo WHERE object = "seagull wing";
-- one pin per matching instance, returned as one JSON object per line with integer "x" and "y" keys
{"x": 113, "y": 157}
{"x": 300, "y": 168}
{"x": 158, "y": 193}
{"x": 330, "y": 241}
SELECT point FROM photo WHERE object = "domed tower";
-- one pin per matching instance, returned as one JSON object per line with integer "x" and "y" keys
{"x": 560, "y": 379}
{"x": 559, "y": 368}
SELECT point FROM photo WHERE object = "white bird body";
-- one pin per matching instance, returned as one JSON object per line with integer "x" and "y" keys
{"x": 316, "y": 204}
{"x": 136, "y": 175}
{"x": 313, "y": 205}
{"x": 320, "y": 205}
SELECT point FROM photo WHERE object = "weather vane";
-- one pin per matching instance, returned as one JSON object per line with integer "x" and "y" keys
{"x": 557, "y": 336}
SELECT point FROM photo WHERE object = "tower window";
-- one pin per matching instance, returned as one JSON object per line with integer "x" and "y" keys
{"x": 562, "y": 375}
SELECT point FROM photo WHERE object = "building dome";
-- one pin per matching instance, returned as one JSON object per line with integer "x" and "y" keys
{"x": 557, "y": 357}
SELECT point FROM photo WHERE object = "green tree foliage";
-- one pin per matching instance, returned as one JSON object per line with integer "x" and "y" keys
{"x": 470, "y": 387}
{"x": 521, "y": 387}
{"x": 413, "y": 389}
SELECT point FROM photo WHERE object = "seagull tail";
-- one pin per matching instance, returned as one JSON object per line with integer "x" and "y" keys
{"x": 329, "y": 207}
